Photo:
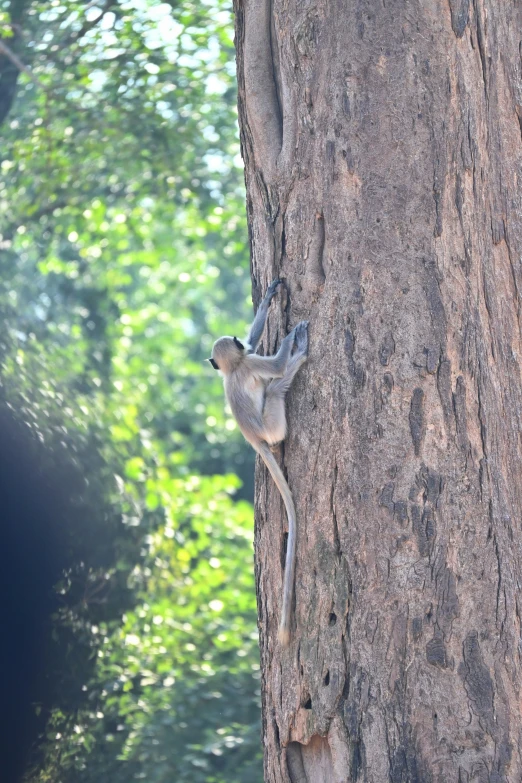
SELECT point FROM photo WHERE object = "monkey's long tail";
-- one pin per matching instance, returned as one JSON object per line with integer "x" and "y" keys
{"x": 288, "y": 581}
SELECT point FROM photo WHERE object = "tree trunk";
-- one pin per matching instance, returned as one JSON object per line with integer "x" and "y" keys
{"x": 383, "y": 156}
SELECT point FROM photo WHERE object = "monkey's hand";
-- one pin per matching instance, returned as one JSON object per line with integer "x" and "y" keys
{"x": 301, "y": 337}
{"x": 271, "y": 290}
{"x": 256, "y": 330}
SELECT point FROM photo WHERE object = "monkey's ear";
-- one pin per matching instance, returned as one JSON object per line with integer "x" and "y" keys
{"x": 214, "y": 364}
{"x": 238, "y": 344}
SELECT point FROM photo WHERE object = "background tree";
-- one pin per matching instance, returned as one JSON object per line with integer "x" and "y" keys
{"x": 382, "y": 145}
{"x": 127, "y": 541}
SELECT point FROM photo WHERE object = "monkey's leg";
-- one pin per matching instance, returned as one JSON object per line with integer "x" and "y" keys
{"x": 274, "y": 416}
{"x": 279, "y": 386}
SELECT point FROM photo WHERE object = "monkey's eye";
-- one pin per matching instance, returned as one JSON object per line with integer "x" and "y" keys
{"x": 238, "y": 344}
{"x": 214, "y": 364}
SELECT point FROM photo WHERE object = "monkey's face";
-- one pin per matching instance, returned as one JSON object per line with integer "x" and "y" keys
{"x": 227, "y": 353}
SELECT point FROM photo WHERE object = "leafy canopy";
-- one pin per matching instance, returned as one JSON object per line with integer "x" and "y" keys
{"x": 122, "y": 248}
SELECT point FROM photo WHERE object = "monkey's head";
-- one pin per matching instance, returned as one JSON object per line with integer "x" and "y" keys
{"x": 227, "y": 354}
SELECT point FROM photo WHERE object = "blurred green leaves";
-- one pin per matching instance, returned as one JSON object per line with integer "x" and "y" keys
{"x": 174, "y": 692}
{"x": 122, "y": 257}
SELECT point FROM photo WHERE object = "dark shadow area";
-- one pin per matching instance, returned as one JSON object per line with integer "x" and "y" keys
{"x": 60, "y": 535}
{"x": 31, "y": 560}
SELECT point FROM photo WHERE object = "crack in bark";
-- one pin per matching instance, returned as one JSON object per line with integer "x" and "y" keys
{"x": 459, "y": 16}
{"x": 417, "y": 420}
{"x": 276, "y": 65}
{"x": 482, "y": 420}
{"x": 437, "y": 196}
{"x": 481, "y": 49}
{"x": 513, "y": 273}
{"x": 337, "y": 540}
{"x": 262, "y": 107}
{"x": 355, "y": 368}
{"x": 387, "y": 349}
{"x": 460, "y": 413}
{"x": 445, "y": 393}
{"x": 499, "y": 581}
{"x": 459, "y": 204}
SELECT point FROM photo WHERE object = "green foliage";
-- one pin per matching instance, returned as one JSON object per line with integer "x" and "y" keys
{"x": 123, "y": 244}
{"x": 173, "y": 694}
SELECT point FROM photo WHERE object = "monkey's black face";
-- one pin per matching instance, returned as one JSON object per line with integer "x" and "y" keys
{"x": 214, "y": 364}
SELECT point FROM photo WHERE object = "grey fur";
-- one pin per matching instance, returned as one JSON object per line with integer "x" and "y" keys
{"x": 255, "y": 387}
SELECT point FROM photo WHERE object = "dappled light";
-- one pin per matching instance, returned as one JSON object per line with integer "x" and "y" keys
{"x": 122, "y": 243}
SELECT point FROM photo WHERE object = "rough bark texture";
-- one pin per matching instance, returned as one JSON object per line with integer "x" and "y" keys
{"x": 383, "y": 155}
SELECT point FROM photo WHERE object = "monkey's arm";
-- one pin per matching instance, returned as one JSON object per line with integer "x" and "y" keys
{"x": 256, "y": 330}
{"x": 271, "y": 366}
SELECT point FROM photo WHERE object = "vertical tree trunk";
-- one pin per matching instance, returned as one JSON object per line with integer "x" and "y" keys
{"x": 383, "y": 155}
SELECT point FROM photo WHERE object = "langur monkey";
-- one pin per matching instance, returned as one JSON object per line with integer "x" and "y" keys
{"x": 255, "y": 388}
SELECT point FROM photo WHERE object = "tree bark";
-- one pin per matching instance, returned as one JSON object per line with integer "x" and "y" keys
{"x": 383, "y": 158}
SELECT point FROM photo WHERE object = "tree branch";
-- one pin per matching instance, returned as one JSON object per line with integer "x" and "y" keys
{"x": 16, "y": 61}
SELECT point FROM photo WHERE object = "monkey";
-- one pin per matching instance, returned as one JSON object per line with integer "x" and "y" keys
{"x": 255, "y": 388}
